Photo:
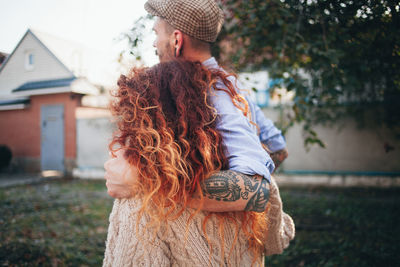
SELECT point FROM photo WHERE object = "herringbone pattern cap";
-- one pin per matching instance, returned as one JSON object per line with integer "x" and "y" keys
{"x": 201, "y": 19}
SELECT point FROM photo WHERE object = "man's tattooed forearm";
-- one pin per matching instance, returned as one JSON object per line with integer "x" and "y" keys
{"x": 251, "y": 184}
{"x": 259, "y": 200}
{"x": 222, "y": 186}
{"x": 225, "y": 186}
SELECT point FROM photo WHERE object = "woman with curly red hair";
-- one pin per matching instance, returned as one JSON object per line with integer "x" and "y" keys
{"x": 167, "y": 130}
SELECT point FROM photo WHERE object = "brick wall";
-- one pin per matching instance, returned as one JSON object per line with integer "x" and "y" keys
{"x": 20, "y": 129}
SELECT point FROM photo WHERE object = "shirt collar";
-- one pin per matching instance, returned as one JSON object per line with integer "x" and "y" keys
{"x": 211, "y": 63}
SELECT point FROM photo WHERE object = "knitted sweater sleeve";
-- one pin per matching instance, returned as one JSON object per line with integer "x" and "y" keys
{"x": 124, "y": 247}
{"x": 281, "y": 228}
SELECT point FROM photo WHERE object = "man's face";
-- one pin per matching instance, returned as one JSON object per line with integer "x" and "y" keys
{"x": 162, "y": 41}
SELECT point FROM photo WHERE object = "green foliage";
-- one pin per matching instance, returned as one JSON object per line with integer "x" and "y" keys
{"x": 340, "y": 56}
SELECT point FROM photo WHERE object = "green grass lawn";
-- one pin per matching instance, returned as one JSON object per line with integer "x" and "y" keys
{"x": 59, "y": 223}
{"x": 64, "y": 223}
{"x": 342, "y": 227}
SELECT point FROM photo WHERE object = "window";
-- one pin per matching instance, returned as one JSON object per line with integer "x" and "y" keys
{"x": 29, "y": 61}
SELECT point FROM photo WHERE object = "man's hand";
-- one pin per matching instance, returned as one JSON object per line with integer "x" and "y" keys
{"x": 120, "y": 176}
{"x": 278, "y": 157}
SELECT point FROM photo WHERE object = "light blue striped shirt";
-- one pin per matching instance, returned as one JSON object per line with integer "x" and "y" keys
{"x": 243, "y": 144}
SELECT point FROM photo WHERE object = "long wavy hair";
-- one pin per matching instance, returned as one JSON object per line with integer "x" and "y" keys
{"x": 167, "y": 125}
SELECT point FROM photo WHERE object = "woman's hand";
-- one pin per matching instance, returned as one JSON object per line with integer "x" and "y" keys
{"x": 120, "y": 176}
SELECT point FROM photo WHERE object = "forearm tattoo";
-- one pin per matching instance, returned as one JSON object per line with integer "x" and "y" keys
{"x": 225, "y": 186}
{"x": 259, "y": 200}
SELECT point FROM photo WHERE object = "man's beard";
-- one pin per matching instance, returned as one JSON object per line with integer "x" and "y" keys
{"x": 165, "y": 55}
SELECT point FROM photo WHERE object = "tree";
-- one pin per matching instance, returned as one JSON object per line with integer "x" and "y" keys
{"x": 341, "y": 57}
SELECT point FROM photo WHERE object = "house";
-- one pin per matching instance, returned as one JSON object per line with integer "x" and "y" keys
{"x": 42, "y": 83}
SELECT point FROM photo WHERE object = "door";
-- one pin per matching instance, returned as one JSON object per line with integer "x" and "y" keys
{"x": 52, "y": 137}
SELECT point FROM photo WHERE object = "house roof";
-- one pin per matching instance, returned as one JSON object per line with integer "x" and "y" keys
{"x": 56, "y": 86}
{"x": 6, "y": 102}
{"x": 64, "y": 50}
{"x": 74, "y": 57}
{"x": 45, "y": 84}
{"x": 81, "y": 60}
{"x": 29, "y": 31}
{"x": 14, "y": 103}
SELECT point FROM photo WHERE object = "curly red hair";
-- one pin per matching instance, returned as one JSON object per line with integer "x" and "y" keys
{"x": 167, "y": 125}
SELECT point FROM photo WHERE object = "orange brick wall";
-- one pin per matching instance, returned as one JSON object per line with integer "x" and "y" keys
{"x": 20, "y": 129}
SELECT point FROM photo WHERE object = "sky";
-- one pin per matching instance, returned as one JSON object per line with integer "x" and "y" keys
{"x": 94, "y": 23}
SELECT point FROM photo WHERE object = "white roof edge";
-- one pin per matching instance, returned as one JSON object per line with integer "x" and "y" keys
{"x": 55, "y": 90}
{"x": 13, "y": 107}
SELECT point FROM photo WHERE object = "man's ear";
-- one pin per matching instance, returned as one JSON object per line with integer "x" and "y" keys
{"x": 178, "y": 43}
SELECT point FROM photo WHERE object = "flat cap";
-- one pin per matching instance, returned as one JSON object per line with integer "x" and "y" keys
{"x": 201, "y": 19}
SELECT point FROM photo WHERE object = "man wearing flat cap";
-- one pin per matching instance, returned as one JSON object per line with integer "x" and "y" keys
{"x": 186, "y": 29}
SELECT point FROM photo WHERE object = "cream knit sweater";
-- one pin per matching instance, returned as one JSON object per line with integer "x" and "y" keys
{"x": 174, "y": 246}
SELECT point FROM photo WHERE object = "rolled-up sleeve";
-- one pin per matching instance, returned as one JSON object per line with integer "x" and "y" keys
{"x": 269, "y": 135}
{"x": 243, "y": 146}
